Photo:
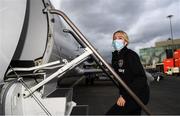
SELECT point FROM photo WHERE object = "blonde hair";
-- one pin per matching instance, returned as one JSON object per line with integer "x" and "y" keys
{"x": 124, "y": 35}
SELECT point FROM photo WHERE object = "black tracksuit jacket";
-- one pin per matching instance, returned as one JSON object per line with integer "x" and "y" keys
{"x": 127, "y": 65}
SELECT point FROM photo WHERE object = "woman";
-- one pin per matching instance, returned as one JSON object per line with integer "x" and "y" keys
{"x": 127, "y": 65}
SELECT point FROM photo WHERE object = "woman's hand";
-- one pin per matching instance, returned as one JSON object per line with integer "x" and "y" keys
{"x": 121, "y": 101}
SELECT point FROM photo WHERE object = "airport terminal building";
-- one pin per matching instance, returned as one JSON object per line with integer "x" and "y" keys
{"x": 150, "y": 57}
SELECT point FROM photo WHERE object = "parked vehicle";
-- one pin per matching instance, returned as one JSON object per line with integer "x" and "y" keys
{"x": 172, "y": 65}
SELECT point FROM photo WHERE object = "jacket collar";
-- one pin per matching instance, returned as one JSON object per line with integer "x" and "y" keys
{"x": 121, "y": 52}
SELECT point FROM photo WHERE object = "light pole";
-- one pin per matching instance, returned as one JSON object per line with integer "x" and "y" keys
{"x": 170, "y": 16}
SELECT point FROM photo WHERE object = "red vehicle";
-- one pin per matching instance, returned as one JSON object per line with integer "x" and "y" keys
{"x": 172, "y": 65}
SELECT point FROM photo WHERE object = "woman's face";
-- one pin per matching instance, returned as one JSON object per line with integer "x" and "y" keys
{"x": 119, "y": 36}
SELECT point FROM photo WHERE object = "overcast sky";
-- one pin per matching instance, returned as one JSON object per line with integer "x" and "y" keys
{"x": 144, "y": 20}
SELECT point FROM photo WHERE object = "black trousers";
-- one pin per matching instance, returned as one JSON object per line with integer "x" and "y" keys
{"x": 128, "y": 109}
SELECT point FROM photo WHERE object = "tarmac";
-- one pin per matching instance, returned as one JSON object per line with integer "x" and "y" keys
{"x": 164, "y": 96}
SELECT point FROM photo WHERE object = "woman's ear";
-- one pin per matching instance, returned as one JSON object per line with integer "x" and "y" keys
{"x": 126, "y": 43}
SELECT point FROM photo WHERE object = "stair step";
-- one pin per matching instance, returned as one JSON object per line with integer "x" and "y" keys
{"x": 80, "y": 110}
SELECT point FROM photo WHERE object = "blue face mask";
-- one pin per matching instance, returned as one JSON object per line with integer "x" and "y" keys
{"x": 118, "y": 44}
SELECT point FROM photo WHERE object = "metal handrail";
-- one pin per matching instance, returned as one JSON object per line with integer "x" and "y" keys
{"x": 98, "y": 56}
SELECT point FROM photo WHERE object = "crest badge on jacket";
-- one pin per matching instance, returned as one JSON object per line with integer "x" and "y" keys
{"x": 120, "y": 63}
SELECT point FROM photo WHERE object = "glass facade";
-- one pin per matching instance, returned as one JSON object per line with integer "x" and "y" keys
{"x": 155, "y": 55}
